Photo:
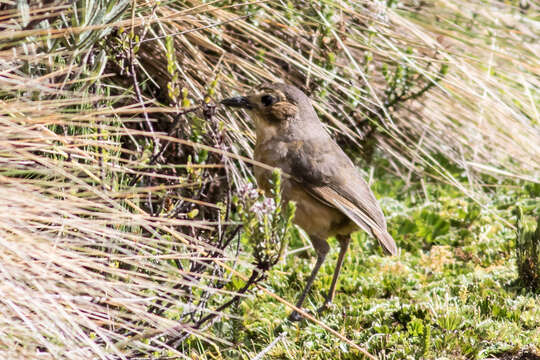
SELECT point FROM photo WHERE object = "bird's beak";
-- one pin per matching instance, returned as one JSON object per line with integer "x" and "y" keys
{"x": 238, "y": 101}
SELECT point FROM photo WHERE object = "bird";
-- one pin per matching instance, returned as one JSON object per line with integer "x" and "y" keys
{"x": 332, "y": 198}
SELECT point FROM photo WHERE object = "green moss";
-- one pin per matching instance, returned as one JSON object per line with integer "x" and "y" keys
{"x": 450, "y": 294}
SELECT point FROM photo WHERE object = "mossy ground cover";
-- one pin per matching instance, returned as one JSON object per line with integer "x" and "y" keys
{"x": 452, "y": 293}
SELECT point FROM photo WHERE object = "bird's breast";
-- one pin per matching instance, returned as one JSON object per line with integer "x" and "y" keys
{"x": 272, "y": 153}
{"x": 315, "y": 217}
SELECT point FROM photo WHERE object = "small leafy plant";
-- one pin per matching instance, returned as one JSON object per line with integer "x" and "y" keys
{"x": 266, "y": 222}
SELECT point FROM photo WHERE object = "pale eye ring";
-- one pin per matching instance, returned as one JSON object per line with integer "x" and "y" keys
{"x": 268, "y": 100}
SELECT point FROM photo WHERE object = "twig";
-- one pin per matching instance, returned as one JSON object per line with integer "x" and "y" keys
{"x": 170, "y": 134}
{"x": 270, "y": 346}
{"x": 253, "y": 279}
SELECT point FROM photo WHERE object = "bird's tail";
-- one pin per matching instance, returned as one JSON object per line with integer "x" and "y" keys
{"x": 386, "y": 241}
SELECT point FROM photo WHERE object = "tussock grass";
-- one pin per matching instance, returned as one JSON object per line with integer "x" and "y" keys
{"x": 85, "y": 270}
{"x": 118, "y": 173}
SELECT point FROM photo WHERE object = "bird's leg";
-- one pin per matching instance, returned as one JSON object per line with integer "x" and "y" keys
{"x": 343, "y": 246}
{"x": 322, "y": 249}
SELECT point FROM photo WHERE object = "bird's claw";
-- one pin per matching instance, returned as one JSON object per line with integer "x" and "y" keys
{"x": 296, "y": 316}
{"x": 327, "y": 305}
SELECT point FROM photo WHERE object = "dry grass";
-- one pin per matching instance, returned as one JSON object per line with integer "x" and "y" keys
{"x": 83, "y": 265}
{"x": 94, "y": 266}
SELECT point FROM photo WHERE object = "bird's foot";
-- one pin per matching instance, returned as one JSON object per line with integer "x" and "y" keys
{"x": 296, "y": 316}
{"x": 326, "y": 306}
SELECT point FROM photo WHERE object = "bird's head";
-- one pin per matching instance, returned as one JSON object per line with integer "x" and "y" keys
{"x": 275, "y": 103}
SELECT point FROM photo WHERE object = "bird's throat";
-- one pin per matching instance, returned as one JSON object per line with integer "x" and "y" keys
{"x": 265, "y": 130}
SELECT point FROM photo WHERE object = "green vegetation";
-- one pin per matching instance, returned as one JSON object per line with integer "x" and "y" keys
{"x": 453, "y": 293}
{"x": 129, "y": 224}
{"x": 528, "y": 252}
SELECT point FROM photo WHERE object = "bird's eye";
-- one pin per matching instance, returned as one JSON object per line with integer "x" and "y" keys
{"x": 268, "y": 100}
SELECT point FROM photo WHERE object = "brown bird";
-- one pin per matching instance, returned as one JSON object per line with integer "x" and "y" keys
{"x": 331, "y": 197}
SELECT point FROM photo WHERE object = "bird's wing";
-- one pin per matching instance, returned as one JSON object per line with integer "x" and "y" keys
{"x": 329, "y": 176}
{"x": 365, "y": 216}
